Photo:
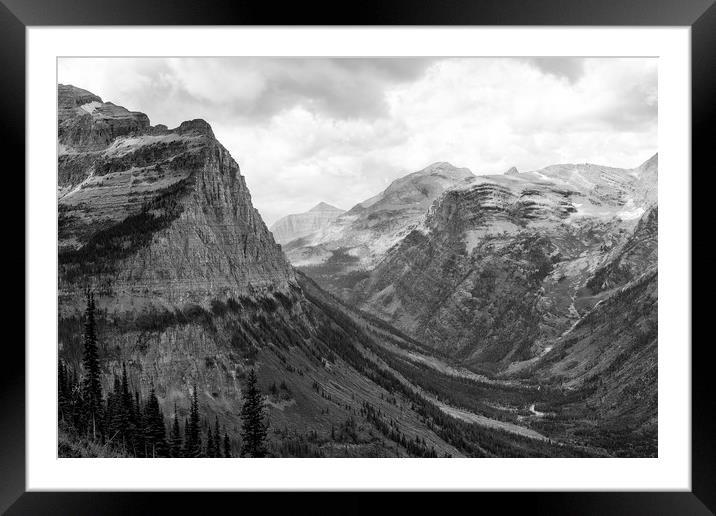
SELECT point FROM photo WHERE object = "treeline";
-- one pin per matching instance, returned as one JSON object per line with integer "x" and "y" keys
{"x": 125, "y": 422}
{"x": 471, "y": 439}
{"x": 416, "y": 447}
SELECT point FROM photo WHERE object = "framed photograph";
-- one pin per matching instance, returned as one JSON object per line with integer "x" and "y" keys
{"x": 444, "y": 248}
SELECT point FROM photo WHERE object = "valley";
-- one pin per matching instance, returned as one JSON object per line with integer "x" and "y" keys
{"x": 451, "y": 315}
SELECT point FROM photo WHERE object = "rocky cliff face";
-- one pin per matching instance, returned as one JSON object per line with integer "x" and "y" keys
{"x": 156, "y": 215}
{"x": 86, "y": 123}
{"x": 502, "y": 265}
{"x": 299, "y": 225}
{"x": 630, "y": 260}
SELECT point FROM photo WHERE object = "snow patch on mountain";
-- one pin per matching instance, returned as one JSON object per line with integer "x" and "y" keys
{"x": 374, "y": 226}
{"x": 90, "y": 107}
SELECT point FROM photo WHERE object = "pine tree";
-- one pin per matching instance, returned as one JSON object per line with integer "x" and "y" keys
{"x": 175, "y": 436}
{"x": 92, "y": 388}
{"x": 115, "y": 422}
{"x": 63, "y": 393}
{"x": 227, "y": 446}
{"x": 210, "y": 449}
{"x": 139, "y": 448}
{"x": 194, "y": 435}
{"x": 254, "y": 428}
{"x": 186, "y": 450}
{"x": 154, "y": 431}
{"x": 76, "y": 404}
{"x": 217, "y": 438}
{"x": 129, "y": 417}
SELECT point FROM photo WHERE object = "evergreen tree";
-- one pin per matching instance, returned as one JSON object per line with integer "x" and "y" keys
{"x": 227, "y": 446}
{"x": 210, "y": 449}
{"x": 129, "y": 417}
{"x": 139, "y": 444}
{"x": 186, "y": 450}
{"x": 194, "y": 422}
{"x": 63, "y": 393}
{"x": 76, "y": 404}
{"x": 92, "y": 388}
{"x": 175, "y": 436}
{"x": 154, "y": 431}
{"x": 254, "y": 428}
{"x": 115, "y": 422}
{"x": 217, "y": 438}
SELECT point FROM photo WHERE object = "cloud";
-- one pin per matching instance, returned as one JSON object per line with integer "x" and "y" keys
{"x": 249, "y": 88}
{"x": 571, "y": 68}
{"x": 339, "y": 130}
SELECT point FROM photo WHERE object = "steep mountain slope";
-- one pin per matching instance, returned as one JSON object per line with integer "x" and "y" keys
{"x": 547, "y": 278}
{"x": 630, "y": 260}
{"x": 299, "y": 225}
{"x": 192, "y": 289}
{"x": 341, "y": 253}
{"x": 154, "y": 214}
{"x": 498, "y": 268}
{"x": 607, "y": 366}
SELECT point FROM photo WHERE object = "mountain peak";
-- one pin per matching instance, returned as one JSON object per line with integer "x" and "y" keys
{"x": 439, "y": 165}
{"x": 299, "y": 225}
{"x": 439, "y": 168}
{"x": 184, "y": 171}
{"x": 70, "y": 98}
{"x": 512, "y": 171}
{"x": 72, "y": 91}
{"x": 442, "y": 167}
{"x": 198, "y": 125}
{"x": 323, "y": 206}
{"x": 652, "y": 162}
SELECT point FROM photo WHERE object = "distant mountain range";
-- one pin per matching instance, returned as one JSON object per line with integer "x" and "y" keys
{"x": 298, "y": 225}
{"x": 370, "y": 228}
{"x": 417, "y": 254}
{"x": 447, "y": 315}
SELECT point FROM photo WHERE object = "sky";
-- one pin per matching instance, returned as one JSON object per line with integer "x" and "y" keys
{"x": 339, "y": 130}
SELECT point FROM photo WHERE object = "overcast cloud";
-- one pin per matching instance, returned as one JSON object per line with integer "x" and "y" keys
{"x": 339, "y": 130}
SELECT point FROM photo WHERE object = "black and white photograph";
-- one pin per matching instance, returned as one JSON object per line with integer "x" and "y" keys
{"x": 384, "y": 257}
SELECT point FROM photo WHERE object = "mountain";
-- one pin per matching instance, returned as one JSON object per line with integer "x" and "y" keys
{"x": 506, "y": 315}
{"x": 547, "y": 278}
{"x": 502, "y": 265}
{"x": 299, "y": 225}
{"x": 607, "y": 366}
{"x": 191, "y": 286}
{"x": 192, "y": 290}
{"x": 339, "y": 254}
{"x": 154, "y": 215}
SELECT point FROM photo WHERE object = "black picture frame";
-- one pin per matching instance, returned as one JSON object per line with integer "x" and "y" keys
{"x": 17, "y": 15}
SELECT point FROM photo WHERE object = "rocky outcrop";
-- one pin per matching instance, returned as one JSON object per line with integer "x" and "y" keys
{"x": 299, "y": 225}
{"x": 629, "y": 260}
{"x": 85, "y": 123}
{"x": 155, "y": 215}
{"x": 70, "y": 99}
